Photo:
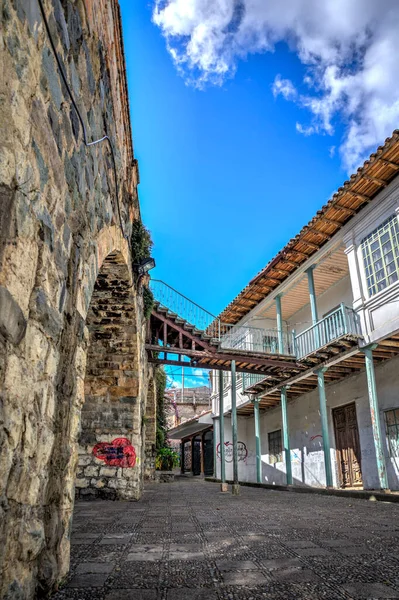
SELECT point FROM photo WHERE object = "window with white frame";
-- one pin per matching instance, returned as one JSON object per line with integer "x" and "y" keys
{"x": 380, "y": 250}
{"x": 392, "y": 429}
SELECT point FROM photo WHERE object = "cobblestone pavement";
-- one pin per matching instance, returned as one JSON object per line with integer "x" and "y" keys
{"x": 186, "y": 540}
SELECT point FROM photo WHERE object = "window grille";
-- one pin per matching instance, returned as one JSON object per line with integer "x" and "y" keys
{"x": 392, "y": 429}
{"x": 380, "y": 251}
{"x": 275, "y": 447}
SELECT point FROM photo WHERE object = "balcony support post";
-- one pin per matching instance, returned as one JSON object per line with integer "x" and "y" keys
{"x": 235, "y": 487}
{"x": 312, "y": 294}
{"x": 223, "y": 484}
{"x": 279, "y": 325}
{"x": 286, "y": 435}
{"x": 324, "y": 425}
{"x": 257, "y": 441}
{"x": 375, "y": 416}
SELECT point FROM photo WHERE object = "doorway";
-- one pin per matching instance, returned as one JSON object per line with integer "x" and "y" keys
{"x": 347, "y": 446}
{"x": 208, "y": 453}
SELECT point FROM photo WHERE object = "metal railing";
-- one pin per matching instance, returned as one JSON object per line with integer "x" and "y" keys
{"x": 342, "y": 322}
{"x": 249, "y": 379}
{"x": 253, "y": 339}
{"x": 181, "y": 305}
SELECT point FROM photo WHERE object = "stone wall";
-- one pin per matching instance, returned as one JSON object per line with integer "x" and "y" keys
{"x": 59, "y": 221}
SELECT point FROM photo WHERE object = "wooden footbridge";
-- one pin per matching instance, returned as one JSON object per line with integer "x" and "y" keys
{"x": 180, "y": 328}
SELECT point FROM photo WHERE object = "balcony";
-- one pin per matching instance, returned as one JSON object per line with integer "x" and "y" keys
{"x": 338, "y": 325}
{"x": 254, "y": 339}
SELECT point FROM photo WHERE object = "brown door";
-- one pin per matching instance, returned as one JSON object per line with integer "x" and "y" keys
{"x": 348, "y": 446}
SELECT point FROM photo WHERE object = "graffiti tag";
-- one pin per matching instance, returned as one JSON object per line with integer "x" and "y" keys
{"x": 118, "y": 453}
{"x": 228, "y": 451}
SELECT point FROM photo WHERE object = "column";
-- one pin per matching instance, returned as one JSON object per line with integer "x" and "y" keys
{"x": 182, "y": 457}
{"x": 324, "y": 425}
{"x": 257, "y": 442}
{"x": 215, "y": 457}
{"x": 286, "y": 435}
{"x": 279, "y": 325}
{"x": 236, "y": 487}
{"x": 312, "y": 294}
{"x": 223, "y": 484}
{"x": 313, "y": 307}
{"x": 375, "y": 416}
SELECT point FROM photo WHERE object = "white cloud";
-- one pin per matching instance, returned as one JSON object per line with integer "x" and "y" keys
{"x": 349, "y": 50}
{"x": 200, "y": 373}
{"x": 285, "y": 88}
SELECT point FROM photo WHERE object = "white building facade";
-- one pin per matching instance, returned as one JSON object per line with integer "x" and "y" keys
{"x": 338, "y": 314}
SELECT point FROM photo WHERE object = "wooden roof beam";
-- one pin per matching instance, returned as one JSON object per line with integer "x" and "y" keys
{"x": 376, "y": 180}
{"x": 350, "y": 211}
{"x": 389, "y": 163}
{"x": 358, "y": 195}
{"x": 326, "y": 236}
{"x": 310, "y": 244}
{"x": 331, "y": 221}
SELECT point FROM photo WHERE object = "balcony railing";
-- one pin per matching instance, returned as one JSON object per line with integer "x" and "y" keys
{"x": 253, "y": 339}
{"x": 249, "y": 379}
{"x": 343, "y": 322}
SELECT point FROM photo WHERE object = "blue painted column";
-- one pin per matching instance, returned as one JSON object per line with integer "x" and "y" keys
{"x": 286, "y": 435}
{"x": 257, "y": 441}
{"x": 324, "y": 425}
{"x": 375, "y": 417}
{"x": 279, "y": 325}
{"x": 223, "y": 485}
{"x": 236, "y": 487}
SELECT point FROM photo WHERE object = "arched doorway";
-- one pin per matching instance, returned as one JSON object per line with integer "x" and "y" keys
{"x": 110, "y": 440}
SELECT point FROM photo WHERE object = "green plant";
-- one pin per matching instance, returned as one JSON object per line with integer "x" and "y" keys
{"x": 148, "y": 301}
{"x": 166, "y": 459}
{"x": 141, "y": 241}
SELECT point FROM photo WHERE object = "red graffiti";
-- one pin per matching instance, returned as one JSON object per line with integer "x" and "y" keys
{"x": 315, "y": 436}
{"x": 118, "y": 453}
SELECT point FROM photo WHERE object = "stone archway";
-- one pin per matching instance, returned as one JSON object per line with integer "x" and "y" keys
{"x": 110, "y": 440}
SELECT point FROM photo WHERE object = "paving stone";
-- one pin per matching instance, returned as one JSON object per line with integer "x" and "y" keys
{"x": 294, "y": 575}
{"x": 190, "y": 594}
{"x": 370, "y": 590}
{"x": 94, "y": 567}
{"x": 300, "y": 544}
{"x": 239, "y": 565}
{"x": 281, "y": 563}
{"x": 116, "y": 539}
{"x": 134, "y": 594}
{"x": 353, "y": 550}
{"x": 312, "y": 551}
{"x": 243, "y": 578}
{"x": 88, "y": 580}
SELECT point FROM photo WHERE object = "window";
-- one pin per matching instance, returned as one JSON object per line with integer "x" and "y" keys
{"x": 275, "y": 447}
{"x": 380, "y": 251}
{"x": 392, "y": 429}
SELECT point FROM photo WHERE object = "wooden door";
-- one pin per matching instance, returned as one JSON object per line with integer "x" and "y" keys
{"x": 348, "y": 446}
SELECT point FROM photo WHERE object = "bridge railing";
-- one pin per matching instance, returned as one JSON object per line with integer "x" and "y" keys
{"x": 179, "y": 304}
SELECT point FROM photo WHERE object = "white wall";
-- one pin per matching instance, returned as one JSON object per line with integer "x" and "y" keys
{"x": 304, "y": 423}
{"x": 340, "y": 292}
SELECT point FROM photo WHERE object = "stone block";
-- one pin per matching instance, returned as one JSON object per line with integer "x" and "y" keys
{"x": 12, "y": 320}
{"x": 91, "y": 471}
{"x": 82, "y": 482}
{"x": 108, "y": 471}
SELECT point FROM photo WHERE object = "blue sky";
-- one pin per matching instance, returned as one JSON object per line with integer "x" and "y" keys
{"x": 226, "y": 178}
